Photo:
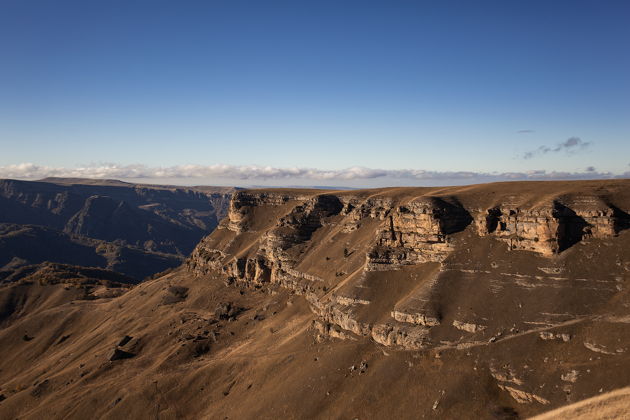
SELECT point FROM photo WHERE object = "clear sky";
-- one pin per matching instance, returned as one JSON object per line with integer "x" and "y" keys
{"x": 315, "y": 92}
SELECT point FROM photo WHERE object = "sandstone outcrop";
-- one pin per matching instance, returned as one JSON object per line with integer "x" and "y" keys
{"x": 553, "y": 227}
{"x": 339, "y": 249}
{"x": 390, "y": 303}
{"x": 417, "y": 232}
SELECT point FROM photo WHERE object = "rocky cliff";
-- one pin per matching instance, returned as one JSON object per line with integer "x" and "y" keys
{"x": 498, "y": 301}
{"x": 449, "y": 268}
{"x": 330, "y": 246}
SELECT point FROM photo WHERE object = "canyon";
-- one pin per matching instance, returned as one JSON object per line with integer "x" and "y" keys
{"x": 499, "y": 301}
{"x": 135, "y": 229}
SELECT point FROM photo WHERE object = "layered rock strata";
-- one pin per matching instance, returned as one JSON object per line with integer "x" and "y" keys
{"x": 552, "y": 228}
{"x": 341, "y": 250}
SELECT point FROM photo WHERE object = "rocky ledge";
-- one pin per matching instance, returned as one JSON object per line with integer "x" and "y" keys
{"x": 426, "y": 268}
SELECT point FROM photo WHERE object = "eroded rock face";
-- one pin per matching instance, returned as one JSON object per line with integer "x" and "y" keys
{"x": 287, "y": 307}
{"x": 297, "y": 226}
{"x": 552, "y": 228}
{"x": 241, "y": 205}
{"x": 341, "y": 252}
{"x": 357, "y": 210}
{"x": 417, "y": 232}
{"x": 416, "y": 318}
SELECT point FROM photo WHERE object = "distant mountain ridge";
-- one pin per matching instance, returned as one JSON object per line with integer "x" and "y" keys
{"x": 144, "y": 228}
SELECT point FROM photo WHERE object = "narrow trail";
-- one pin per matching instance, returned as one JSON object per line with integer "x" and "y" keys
{"x": 467, "y": 345}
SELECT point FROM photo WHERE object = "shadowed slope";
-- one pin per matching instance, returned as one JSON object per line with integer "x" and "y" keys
{"x": 147, "y": 228}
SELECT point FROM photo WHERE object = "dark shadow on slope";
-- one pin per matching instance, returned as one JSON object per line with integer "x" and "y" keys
{"x": 621, "y": 219}
{"x": 571, "y": 227}
{"x": 452, "y": 215}
{"x": 492, "y": 219}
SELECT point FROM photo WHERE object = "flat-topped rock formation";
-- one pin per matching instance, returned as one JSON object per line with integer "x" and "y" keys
{"x": 338, "y": 248}
{"x": 496, "y": 301}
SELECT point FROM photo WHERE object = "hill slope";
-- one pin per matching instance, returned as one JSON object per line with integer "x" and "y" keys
{"x": 492, "y": 301}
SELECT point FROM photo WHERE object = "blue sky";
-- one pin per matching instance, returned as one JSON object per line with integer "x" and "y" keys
{"x": 281, "y": 92}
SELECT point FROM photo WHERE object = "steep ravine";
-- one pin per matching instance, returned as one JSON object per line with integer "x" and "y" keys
{"x": 136, "y": 229}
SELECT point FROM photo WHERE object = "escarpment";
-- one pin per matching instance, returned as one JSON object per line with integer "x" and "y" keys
{"x": 398, "y": 266}
{"x": 417, "y": 232}
{"x": 489, "y": 301}
{"x": 552, "y": 227}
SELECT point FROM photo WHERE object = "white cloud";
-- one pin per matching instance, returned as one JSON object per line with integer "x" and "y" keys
{"x": 263, "y": 173}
